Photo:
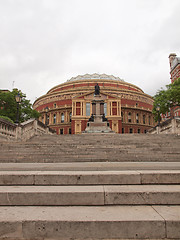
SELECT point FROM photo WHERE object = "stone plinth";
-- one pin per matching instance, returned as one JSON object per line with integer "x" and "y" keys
{"x": 98, "y": 126}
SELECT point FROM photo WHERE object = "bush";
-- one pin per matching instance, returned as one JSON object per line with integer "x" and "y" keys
{"x": 6, "y": 118}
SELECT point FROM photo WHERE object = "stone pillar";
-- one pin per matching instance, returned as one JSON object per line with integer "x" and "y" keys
{"x": 18, "y": 132}
{"x": 173, "y": 122}
{"x": 98, "y": 108}
{"x": 84, "y": 108}
{"x": 101, "y": 108}
{"x": 35, "y": 125}
{"x": 158, "y": 129}
{"x": 94, "y": 108}
{"x": 73, "y": 108}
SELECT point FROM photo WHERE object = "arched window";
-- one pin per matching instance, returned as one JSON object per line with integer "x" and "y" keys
{"x": 129, "y": 117}
{"x": 130, "y": 130}
{"x": 149, "y": 120}
{"x": 62, "y": 117}
{"x": 122, "y": 116}
{"x": 47, "y": 120}
{"x": 144, "y": 119}
{"x": 137, "y": 118}
{"x": 54, "y": 119}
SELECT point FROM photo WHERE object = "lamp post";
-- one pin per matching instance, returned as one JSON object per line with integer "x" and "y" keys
{"x": 158, "y": 110}
{"x": 18, "y": 101}
{"x": 46, "y": 122}
{"x": 158, "y": 126}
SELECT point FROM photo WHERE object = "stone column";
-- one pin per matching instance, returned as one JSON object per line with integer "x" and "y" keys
{"x": 110, "y": 108}
{"x": 66, "y": 116}
{"x": 81, "y": 104}
{"x": 93, "y": 108}
{"x": 97, "y": 108}
{"x": 84, "y": 108}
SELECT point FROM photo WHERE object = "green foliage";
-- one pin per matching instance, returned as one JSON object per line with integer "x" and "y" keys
{"x": 6, "y": 118}
{"x": 8, "y": 106}
{"x": 166, "y": 99}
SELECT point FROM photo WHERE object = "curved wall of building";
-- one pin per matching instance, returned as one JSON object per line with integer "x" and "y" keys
{"x": 64, "y": 107}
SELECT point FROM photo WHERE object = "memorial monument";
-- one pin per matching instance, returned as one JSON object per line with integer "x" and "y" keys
{"x": 97, "y": 122}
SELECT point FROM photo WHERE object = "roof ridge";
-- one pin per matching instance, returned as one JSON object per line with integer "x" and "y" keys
{"x": 95, "y": 76}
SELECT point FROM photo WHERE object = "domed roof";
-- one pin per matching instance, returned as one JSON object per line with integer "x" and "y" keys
{"x": 95, "y": 76}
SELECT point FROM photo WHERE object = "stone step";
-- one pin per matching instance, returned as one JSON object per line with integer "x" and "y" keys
{"x": 89, "y": 195}
{"x": 101, "y": 139}
{"x": 92, "y": 151}
{"x": 90, "y": 166}
{"x": 104, "y": 157}
{"x": 113, "y": 222}
{"x": 89, "y": 144}
{"x": 93, "y": 148}
{"x": 53, "y": 178}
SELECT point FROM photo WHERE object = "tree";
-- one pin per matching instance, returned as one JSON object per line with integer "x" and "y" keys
{"x": 8, "y": 106}
{"x": 166, "y": 99}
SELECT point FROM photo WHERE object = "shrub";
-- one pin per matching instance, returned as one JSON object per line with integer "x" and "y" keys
{"x": 6, "y": 118}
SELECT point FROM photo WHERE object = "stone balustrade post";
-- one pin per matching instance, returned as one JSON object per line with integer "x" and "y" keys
{"x": 35, "y": 126}
{"x": 173, "y": 122}
{"x": 158, "y": 129}
{"x": 18, "y": 132}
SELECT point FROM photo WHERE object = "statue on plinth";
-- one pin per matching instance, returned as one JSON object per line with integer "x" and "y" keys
{"x": 91, "y": 119}
{"x": 104, "y": 119}
{"x": 97, "y": 90}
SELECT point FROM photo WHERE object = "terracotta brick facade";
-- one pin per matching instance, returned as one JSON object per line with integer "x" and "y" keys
{"x": 174, "y": 62}
{"x": 63, "y": 108}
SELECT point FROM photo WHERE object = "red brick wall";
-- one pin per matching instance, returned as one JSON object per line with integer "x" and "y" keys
{"x": 175, "y": 74}
{"x": 133, "y": 103}
{"x": 83, "y": 125}
{"x": 65, "y": 129}
{"x": 72, "y": 126}
{"x": 119, "y": 126}
{"x": 79, "y": 85}
{"x": 110, "y": 123}
{"x": 51, "y": 104}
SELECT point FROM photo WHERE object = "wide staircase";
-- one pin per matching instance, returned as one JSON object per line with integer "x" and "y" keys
{"x": 90, "y": 186}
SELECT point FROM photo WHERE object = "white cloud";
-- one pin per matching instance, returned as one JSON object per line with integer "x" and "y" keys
{"x": 45, "y": 42}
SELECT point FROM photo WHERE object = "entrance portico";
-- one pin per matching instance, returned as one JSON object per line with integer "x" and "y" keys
{"x": 104, "y": 108}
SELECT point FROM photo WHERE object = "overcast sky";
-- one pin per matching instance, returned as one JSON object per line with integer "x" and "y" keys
{"x": 45, "y": 42}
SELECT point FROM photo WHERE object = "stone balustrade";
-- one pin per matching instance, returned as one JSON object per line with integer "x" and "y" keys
{"x": 24, "y": 131}
{"x": 7, "y": 129}
{"x": 170, "y": 126}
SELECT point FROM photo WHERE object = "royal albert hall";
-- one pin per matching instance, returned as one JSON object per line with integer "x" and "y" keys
{"x": 68, "y": 107}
